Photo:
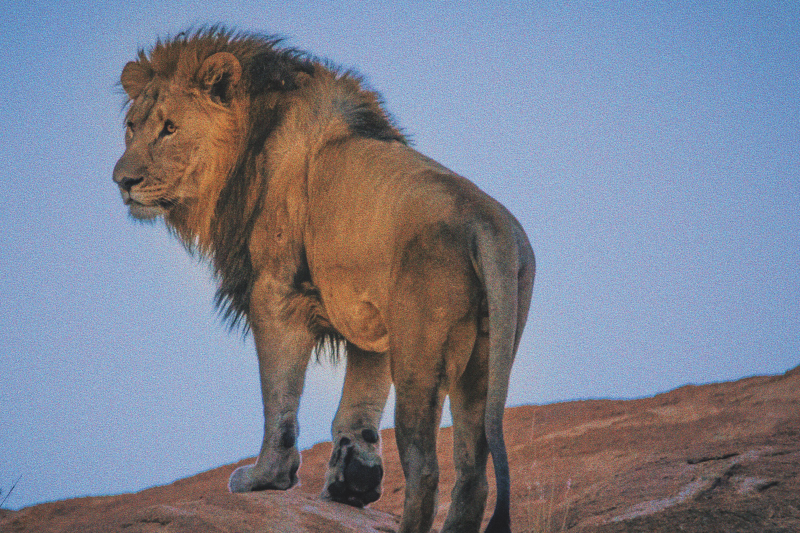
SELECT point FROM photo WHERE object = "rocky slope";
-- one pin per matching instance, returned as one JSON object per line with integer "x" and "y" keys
{"x": 712, "y": 458}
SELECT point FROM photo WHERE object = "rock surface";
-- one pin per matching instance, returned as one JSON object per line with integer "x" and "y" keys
{"x": 713, "y": 458}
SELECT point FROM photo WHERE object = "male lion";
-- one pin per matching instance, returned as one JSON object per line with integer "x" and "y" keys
{"x": 324, "y": 226}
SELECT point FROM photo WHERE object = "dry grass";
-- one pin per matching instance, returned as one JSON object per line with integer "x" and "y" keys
{"x": 549, "y": 507}
{"x": 549, "y": 499}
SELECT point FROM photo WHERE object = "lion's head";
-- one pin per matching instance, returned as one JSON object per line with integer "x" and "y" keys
{"x": 188, "y": 121}
{"x": 172, "y": 126}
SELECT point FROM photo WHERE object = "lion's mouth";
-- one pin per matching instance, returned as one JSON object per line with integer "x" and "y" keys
{"x": 127, "y": 197}
{"x": 140, "y": 210}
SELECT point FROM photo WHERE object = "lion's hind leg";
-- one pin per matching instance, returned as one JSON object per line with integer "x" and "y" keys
{"x": 417, "y": 414}
{"x": 470, "y": 450}
{"x": 355, "y": 469}
{"x": 427, "y": 358}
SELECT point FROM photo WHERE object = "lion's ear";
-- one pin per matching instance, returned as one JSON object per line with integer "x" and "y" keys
{"x": 134, "y": 79}
{"x": 219, "y": 74}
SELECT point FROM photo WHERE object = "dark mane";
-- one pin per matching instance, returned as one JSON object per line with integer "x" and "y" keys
{"x": 184, "y": 53}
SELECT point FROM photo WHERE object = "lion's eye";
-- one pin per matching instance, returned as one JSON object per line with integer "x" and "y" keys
{"x": 169, "y": 128}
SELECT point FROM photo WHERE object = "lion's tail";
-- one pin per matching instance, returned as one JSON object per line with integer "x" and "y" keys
{"x": 505, "y": 262}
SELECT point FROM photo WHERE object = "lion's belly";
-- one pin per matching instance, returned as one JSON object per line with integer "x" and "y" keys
{"x": 354, "y": 311}
{"x": 362, "y": 324}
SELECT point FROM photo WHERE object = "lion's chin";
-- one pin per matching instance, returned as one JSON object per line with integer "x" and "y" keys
{"x": 144, "y": 212}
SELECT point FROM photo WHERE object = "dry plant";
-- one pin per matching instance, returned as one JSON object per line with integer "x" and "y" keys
{"x": 544, "y": 496}
{"x": 543, "y": 512}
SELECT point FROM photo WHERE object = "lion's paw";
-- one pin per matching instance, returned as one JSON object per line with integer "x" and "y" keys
{"x": 240, "y": 480}
{"x": 355, "y": 471}
{"x": 250, "y": 478}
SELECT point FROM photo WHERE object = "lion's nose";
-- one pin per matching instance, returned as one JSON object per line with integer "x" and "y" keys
{"x": 127, "y": 183}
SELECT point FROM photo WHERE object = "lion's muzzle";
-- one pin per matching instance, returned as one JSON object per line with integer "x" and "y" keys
{"x": 125, "y": 178}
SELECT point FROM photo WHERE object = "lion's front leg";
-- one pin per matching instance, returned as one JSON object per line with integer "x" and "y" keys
{"x": 284, "y": 345}
{"x": 355, "y": 469}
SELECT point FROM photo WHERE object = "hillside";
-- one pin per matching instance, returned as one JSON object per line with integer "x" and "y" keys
{"x": 711, "y": 458}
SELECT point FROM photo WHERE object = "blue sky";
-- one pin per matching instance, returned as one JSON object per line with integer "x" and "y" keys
{"x": 652, "y": 153}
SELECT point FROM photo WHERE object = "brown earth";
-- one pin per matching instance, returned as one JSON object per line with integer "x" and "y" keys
{"x": 711, "y": 458}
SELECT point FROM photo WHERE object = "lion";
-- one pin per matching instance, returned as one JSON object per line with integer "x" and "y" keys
{"x": 325, "y": 228}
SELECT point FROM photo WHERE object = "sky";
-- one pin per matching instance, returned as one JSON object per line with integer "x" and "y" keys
{"x": 650, "y": 150}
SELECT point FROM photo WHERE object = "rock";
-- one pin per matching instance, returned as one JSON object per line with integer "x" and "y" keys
{"x": 262, "y": 512}
{"x": 712, "y": 458}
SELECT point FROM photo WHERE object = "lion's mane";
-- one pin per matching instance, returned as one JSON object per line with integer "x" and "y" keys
{"x": 269, "y": 71}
